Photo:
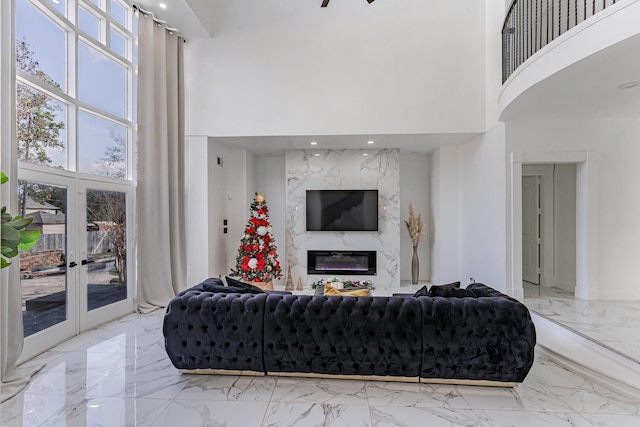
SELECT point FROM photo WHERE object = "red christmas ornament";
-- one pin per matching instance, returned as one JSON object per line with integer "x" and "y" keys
{"x": 266, "y": 238}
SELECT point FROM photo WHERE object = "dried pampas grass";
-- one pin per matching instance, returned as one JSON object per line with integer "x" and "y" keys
{"x": 414, "y": 226}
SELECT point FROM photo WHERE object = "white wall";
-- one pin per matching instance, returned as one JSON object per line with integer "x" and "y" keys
{"x": 565, "y": 226}
{"x": 483, "y": 209}
{"x": 272, "y": 183}
{"x": 494, "y": 15}
{"x": 615, "y": 140}
{"x": 402, "y": 66}
{"x": 345, "y": 169}
{"x": 414, "y": 188}
{"x": 217, "y": 205}
{"x": 444, "y": 219}
{"x": 198, "y": 223}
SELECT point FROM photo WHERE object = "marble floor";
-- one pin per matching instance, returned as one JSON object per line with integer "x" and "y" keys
{"x": 615, "y": 324}
{"x": 119, "y": 375}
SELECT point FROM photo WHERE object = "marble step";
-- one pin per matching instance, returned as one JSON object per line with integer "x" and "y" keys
{"x": 588, "y": 357}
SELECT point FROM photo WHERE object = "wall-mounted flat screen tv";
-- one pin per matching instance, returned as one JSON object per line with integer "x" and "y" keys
{"x": 342, "y": 210}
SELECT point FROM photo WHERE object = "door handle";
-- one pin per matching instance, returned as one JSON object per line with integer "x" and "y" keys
{"x": 85, "y": 262}
{"x": 72, "y": 264}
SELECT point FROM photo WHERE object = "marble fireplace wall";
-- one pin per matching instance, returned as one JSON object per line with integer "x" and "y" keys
{"x": 348, "y": 170}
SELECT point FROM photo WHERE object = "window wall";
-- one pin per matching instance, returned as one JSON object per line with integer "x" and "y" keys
{"x": 75, "y": 135}
{"x": 75, "y": 67}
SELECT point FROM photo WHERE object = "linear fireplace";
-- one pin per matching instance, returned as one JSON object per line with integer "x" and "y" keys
{"x": 341, "y": 262}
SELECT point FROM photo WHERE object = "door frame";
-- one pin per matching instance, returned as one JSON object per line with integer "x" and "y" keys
{"x": 587, "y": 178}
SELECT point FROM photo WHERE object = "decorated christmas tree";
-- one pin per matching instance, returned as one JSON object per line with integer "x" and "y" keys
{"x": 257, "y": 259}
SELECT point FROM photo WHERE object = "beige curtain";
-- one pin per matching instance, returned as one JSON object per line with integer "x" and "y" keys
{"x": 161, "y": 258}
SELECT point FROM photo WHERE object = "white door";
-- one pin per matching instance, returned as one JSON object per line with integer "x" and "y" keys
{"x": 105, "y": 256}
{"x": 531, "y": 239}
{"x": 48, "y": 273}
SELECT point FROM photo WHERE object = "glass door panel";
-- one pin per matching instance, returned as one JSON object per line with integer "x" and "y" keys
{"x": 106, "y": 255}
{"x": 43, "y": 270}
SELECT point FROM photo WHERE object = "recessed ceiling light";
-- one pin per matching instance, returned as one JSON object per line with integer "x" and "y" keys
{"x": 316, "y": 155}
{"x": 371, "y": 142}
{"x": 628, "y": 85}
{"x": 314, "y": 143}
{"x": 162, "y": 6}
{"x": 365, "y": 154}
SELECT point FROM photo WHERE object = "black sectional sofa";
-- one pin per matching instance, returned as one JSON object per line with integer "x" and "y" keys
{"x": 487, "y": 338}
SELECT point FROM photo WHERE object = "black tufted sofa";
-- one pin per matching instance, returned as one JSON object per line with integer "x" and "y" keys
{"x": 488, "y": 338}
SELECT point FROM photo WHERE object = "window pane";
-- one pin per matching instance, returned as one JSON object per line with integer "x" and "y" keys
{"x": 43, "y": 276}
{"x": 40, "y": 128}
{"x": 98, "y": 3}
{"x": 59, "y": 5}
{"x": 106, "y": 247}
{"x": 89, "y": 23}
{"x": 118, "y": 43}
{"x": 101, "y": 81}
{"x": 119, "y": 13}
{"x": 102, "y": 146}
{"x": 40, "y": 45}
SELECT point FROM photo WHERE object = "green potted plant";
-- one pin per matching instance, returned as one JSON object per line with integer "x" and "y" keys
{"x": 15, "y": 236}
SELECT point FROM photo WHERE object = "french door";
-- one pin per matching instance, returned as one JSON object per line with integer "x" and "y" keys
{"x": 106, "y": 261}
{"x": 80, "y": 273}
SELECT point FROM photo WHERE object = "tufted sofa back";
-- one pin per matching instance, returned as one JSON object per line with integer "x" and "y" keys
{"x": 343, "y": 335}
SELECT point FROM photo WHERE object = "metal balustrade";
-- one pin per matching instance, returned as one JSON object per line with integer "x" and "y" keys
{"x": 532, "y": 24}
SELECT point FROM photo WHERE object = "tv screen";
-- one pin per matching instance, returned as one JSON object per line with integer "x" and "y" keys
{"x": 342, "y": 210}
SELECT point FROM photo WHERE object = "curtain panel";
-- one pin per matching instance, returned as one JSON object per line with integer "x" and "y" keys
{"x": 161, "y": 248}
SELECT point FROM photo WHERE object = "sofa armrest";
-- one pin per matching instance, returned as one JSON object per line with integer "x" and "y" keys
{"x": 485, "y": 338}
{"x": 205, "y": 330}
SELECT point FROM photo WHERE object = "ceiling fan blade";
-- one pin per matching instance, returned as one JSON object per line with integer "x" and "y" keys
{"x": 325, "y": 3}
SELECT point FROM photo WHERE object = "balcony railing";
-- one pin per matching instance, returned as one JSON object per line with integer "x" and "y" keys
{"x": 532, "y": 24}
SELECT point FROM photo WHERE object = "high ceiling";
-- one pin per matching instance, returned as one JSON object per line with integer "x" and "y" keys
{"x": 587, "y": 88}
{"x": 192, "y": 18}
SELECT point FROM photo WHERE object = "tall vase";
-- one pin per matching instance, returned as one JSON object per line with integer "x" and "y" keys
{"x": 415, "y": 266}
